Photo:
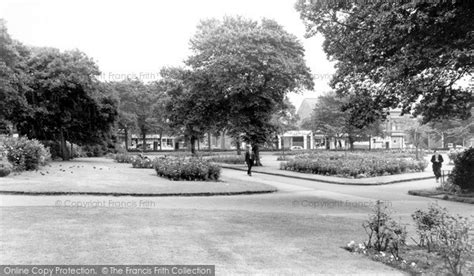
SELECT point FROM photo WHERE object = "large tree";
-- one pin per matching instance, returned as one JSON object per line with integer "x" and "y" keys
{"x": 329, "y": 118}
{"x": 64, "y": 101}
{"x": 190, "y": 107}
{"x": 250, "y": 67}
{"x": 137, "y": 108}
{"x": 389, "y": 54}
{"x": 13, "y": 77}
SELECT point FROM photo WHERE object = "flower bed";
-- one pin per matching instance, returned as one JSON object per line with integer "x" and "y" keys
{"x": 186, "y": 169}
{"x": 443, "y": 242}
{"x": 228, "y": 159}
{"x": 354, "y": 165}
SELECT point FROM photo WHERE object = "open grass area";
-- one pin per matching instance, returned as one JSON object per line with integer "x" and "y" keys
{"x": 101, "y": 175}
{"x": 235, "y": 241}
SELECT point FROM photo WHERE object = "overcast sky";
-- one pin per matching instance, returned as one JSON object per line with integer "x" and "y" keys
{"x": 139, "y": 37}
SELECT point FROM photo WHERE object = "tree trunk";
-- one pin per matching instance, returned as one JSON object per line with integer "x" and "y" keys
{"x": 351, "y": 143}
{"x": 429, "y": 141}
{"x": 283, "y": 147}
{"x": 223, "y": 140}
{"x": 327, "y": 143}
{"x": 63, "y": 146}
{"x": 370, "y": 142}
{"x": 161, "y": 140}
{"x": 209, "y": 140}
{"x": 237, "y": 145}
{"x": 193, "y": 146}
{"x": 256, "y": 152}
{"x": 442, "y": 140}
{"x": 416, "y": 146}
{"x": 144, "y": 140}
{"x": 72, "y": 151}
{"x": 126, "y": 139}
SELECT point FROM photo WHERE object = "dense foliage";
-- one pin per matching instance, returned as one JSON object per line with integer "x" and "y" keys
{"x": 245, "y": 69}
{"x": 54, "y": 95}
{"x": 187, "y": 169}
{"x": 389, "y": 54}
{"x": 25, "y": 154}
{"x": 462, "y": 174}
{"x": 351, "y": 164}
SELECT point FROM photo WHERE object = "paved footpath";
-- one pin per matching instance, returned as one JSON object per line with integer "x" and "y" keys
{"x": 272, "y": 167}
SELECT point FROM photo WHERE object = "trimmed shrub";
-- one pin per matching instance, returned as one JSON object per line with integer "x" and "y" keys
{"x": 142, "y": 163}
{"x": 5, "y": 168}
{"x": 462, "y": 174}
{"x": 25, "y": 154}
{"x": 228, "y": 159}
{"x": 186, "y": 169}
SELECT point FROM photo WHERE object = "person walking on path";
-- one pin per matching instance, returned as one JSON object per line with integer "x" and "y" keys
{"x": 437, "y": 160}
{"x": 249, "y": 159}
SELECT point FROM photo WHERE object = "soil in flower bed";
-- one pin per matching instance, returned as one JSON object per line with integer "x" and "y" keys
{"x": 434, "y": 193}
{"x": 415, "y": 261}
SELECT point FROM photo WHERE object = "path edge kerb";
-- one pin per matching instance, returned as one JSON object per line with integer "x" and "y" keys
{"x": 333, "y": 181}
{"x": 29, "y": 193}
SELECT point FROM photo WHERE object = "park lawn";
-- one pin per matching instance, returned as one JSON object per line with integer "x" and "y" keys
{"x": 101, "y": 175}
{"x": 240, "y": 242}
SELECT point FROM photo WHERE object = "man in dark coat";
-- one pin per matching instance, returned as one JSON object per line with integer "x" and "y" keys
{"x": 437, "y": 160}
{"x": 249, "y": 159}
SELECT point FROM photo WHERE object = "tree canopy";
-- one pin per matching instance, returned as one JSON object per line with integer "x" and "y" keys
{"x": 397, "y": 54}
{"x": 248, "y": 68}
{"x": 53, "y": 95}
{"x": 329, "y": 118}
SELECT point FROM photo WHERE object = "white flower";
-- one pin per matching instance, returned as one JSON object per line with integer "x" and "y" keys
{"x": 383, "y": 254}
{"x": 413, "y": 264}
